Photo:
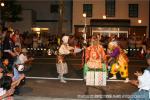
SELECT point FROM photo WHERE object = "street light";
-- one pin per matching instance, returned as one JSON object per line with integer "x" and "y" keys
{"x": 139, "y": 21}
{"x": 84, "y": 30}
{"x": 84, "y": 14}
{"x": 2, "y": 4}
{"x": 84, "y": 42}
{"x": 104, "y": 16}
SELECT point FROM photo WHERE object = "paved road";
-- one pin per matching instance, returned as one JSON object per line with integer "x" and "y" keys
{"x": 73, "y": 89}
{"x": 48, "y": 89}
{"x": 46, "y": 67}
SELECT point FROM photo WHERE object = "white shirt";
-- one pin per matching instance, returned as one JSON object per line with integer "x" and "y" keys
{"x": 2, "y": 91}
{"x": 23, "y": 58}
{"x": 144, "y": 81}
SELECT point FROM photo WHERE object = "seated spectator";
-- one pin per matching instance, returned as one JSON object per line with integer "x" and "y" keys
{"x": 5, "y": 69}
{"x": 143, "y": 83}
{"x": 6, "y": 89}
{"x": 18, "y": 68}
{"x": 11, "y": 72}
{"x": 24, "y": 59}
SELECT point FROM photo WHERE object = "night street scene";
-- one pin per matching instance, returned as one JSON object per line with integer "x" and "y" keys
{"x": 74, "y": 49}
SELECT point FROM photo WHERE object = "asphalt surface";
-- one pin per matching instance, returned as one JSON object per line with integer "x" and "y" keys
{"x": 46, "y": 67}
{"x": 74, "y": 89}
{"x": 46, "y": 86}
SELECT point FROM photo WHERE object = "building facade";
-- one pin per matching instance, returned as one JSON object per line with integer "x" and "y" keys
{"x": 120, "y": 17}
{"x": 44, "y": 15}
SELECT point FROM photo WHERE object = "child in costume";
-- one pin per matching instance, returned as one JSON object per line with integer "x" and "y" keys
{"x": 61, "y": 65}
{"x": 95, "y": 54}
{"x": 62, "y": 68}
{"x": 95, "y": 59}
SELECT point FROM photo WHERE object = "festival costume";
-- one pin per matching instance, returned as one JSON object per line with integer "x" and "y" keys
{"x": 119, "y": 60}
{"x": 61, "y": 65}
{"x": 95, "y": 67}
{"x": 94, "y": 56}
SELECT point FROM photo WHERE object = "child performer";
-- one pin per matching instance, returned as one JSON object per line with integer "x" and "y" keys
{"x": 61, "y": 65}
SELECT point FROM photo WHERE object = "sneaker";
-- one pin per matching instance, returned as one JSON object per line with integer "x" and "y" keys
{"x": 113, "y": 78}
{"x": 127, "y": 80}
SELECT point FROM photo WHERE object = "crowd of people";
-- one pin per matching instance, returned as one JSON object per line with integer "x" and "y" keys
{"x": 53, "y": 42}
{"x": 104, "y": 56}
{"x": 14, "y": 61}
{"x": 47, "y": 40}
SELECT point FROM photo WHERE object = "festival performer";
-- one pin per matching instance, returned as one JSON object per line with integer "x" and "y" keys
{"x": 61, "y": 65}
{"x": 94, "y": 57}
{"x": 118, "y": 61}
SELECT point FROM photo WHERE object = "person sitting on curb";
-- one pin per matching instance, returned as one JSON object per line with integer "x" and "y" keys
{"x": 11, "y": 72}
{"x": 6, "y": 88}
{"x": 143, "y": 83}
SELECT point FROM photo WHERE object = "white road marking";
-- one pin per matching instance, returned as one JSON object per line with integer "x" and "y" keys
{"x": 71, "y": 79}
{"x": 50, "y": 78}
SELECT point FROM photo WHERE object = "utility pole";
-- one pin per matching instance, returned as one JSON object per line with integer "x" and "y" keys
{"x": 2, "y": 4}
{"x": 61, "y": 16}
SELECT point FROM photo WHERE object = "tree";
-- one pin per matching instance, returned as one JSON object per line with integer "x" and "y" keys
{"x": 11, "y": 12}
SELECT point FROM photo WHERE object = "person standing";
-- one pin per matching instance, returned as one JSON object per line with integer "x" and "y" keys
{"x": 95, "y": 54}
{"x": 16, "y": 38}
{"x": 61, "y": 65}
{"x": 95, "y": 61}
{"x": 8, "y": 48}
